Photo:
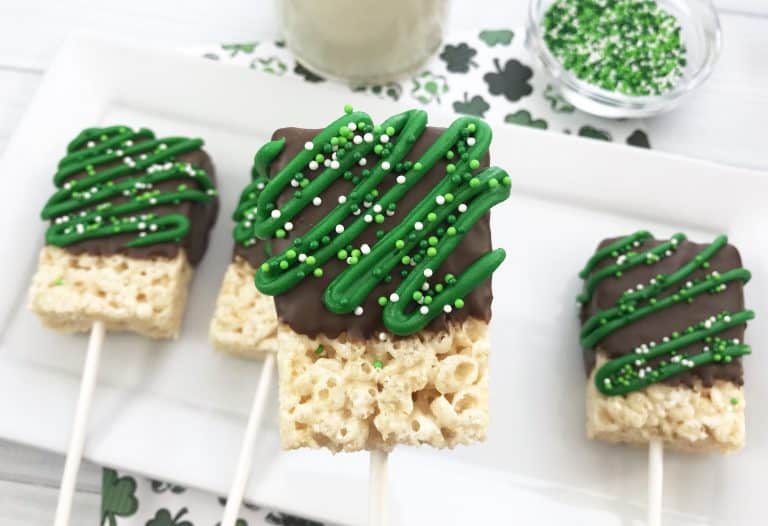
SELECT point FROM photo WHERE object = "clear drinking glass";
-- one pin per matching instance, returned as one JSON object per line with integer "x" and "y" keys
{"x": 363, "y": 41}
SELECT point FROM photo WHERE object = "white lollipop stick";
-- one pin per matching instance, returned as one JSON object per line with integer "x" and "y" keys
{"x": 77, "y": 439}
{"x": 235, "y": 497}
{"x": 655, "y": 480}
{"x": 377, "y": 489}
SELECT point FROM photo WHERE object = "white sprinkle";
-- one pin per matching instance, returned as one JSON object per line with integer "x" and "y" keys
{"x": 377, "y": 208}
{"x": 365, "y": 248}
{"x": 357, "y": 139}
{"x": 335, "y": 164}
{"x": 427, "y": 272}
{"x": 153, "y": 201}
{"x": 142, "y": 225}
{"x": 352, "y": 126}
{"x": 153, "y": 227}
{"x": 317, "y": 201}
{"x": 342, "y": 199}
{"x": 302, "y": 257}
{"x": 424, "y": 310}
{"x": 385, "y": 165}
{"x": 367, "y": 218}
{"x": 358, "y": 311}
{"x": 727, "y": 319}
{"x": 309, "y": 146}
{"x": 327, "y": 163}
{"x": 363, "y": 161}
{"x": 91, "y": 144}
{"x": 425, "y": 286}
{"x": 471, "y": 141}
{"x": 383, "y": 336}
{"x": 288, "y": 226}
{"x": 394, "y": 298}
{"x": 440, "y": 200}
{"x": 418, "y": 225}
{"x": 368, "y": 137}
{"x": 447, "y": 309}
{"x": 462, "y": 208}
{"x": 313, "y": 165}
{"x": 339, "y": 228}
{"x": 384, "y": 138}
{"x": 294, "y": 183}
{"x": 275, "y": 213}
{"x": 400, "y": 179}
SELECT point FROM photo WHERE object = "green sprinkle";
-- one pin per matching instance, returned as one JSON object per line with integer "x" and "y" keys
{"x": 471, "y": 127}
{"x": 432, "y": 241}
{"x": 459, "y": 303}
{"x": 280, "y": 233}
{"x": 474, "y": 164}
{"x": 405, "y": 260}
{"x": 265, "y": 267}
{"x": 734, "y": 401}
{"x": 342, "y": 254}
{"x": 290, "y": 253}
{"x": 320, "y": 349}
{"x": 450, "y": 168}
{"x": 417, "y": 166}
{"x": 284, "y": 265}
{"x": 493, "y": 183}
{"x": 348, "y": 108}
{"x": 318, "y": 272}
{"x": 431, "y": 217}
{"x": 431, "y": 252}
{"x": 474, "y": 182}
{"x": 451, "y": 231}
{"x": 57, "y": 282}
{"x": 632, "y": 47}
{"x": 378, "y": 149}
{"x": 399, "y": 244}
{"x": 377, "y": 364}
{"x": 390, "y": 131}
{"x": 383, "y": 300}
{"x": 448, "y": 198}
{"x": 352, "y": 260}
{"x": 310, "y": 260}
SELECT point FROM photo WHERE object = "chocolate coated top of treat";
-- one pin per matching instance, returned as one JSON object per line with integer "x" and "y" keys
{"x": 302, "y": 307}
{"x": 142, "y": 197}
{"x": 675, "y": 318}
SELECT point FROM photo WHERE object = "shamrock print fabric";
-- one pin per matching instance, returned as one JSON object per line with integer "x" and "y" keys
{"x": 131, "y": 500}
{"x": 486, "y": 73}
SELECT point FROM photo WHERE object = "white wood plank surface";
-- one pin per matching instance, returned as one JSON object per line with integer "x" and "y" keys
{"x": 724, "y": 121}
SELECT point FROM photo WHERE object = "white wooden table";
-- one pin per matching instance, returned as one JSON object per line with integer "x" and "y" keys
{"x": 725, "y": 121}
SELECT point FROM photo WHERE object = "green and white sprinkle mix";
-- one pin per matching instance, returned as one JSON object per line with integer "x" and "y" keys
{"x": 628, "y": 46}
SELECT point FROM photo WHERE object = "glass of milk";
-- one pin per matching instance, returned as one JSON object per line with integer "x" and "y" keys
{"x": 363, "y": 41}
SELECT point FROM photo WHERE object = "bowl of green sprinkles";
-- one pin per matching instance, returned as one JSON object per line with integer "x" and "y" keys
{"x": 625, "y": 58}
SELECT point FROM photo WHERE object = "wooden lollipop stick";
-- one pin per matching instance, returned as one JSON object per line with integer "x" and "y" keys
{"x": 655, "y": 481}
{"x": 77, "y": 439}
{"x": 377, "y": 489}
{"x": 245, "y": 460}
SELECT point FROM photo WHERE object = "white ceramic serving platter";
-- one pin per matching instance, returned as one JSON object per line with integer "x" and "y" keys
{"x": 176, "y": 410}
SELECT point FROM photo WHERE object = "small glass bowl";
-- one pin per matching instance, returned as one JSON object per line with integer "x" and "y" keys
{"x": 700, "y": 33}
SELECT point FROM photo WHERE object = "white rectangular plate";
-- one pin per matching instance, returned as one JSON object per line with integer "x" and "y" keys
{"x": 176, "y": 410}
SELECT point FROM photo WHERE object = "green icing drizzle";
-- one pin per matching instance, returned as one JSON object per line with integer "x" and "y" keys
{"x": 122, "y": 167}
{"x": 424, "y": 238}
{"x": 632, "y": 371}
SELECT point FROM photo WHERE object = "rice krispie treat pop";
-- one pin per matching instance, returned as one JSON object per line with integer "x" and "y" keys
{"x": 128, "y": 222}
{"x": 662, "y": 332}
{"x": 380, "y": 270}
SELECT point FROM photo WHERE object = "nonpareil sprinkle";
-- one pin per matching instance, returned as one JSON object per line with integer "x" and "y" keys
{"x": 629, "y": 46}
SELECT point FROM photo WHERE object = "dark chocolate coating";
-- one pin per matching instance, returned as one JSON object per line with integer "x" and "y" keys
{"x": 202, "y": 217}
{"x": 676, "y": 318}
{"x": 302, "y": 307}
